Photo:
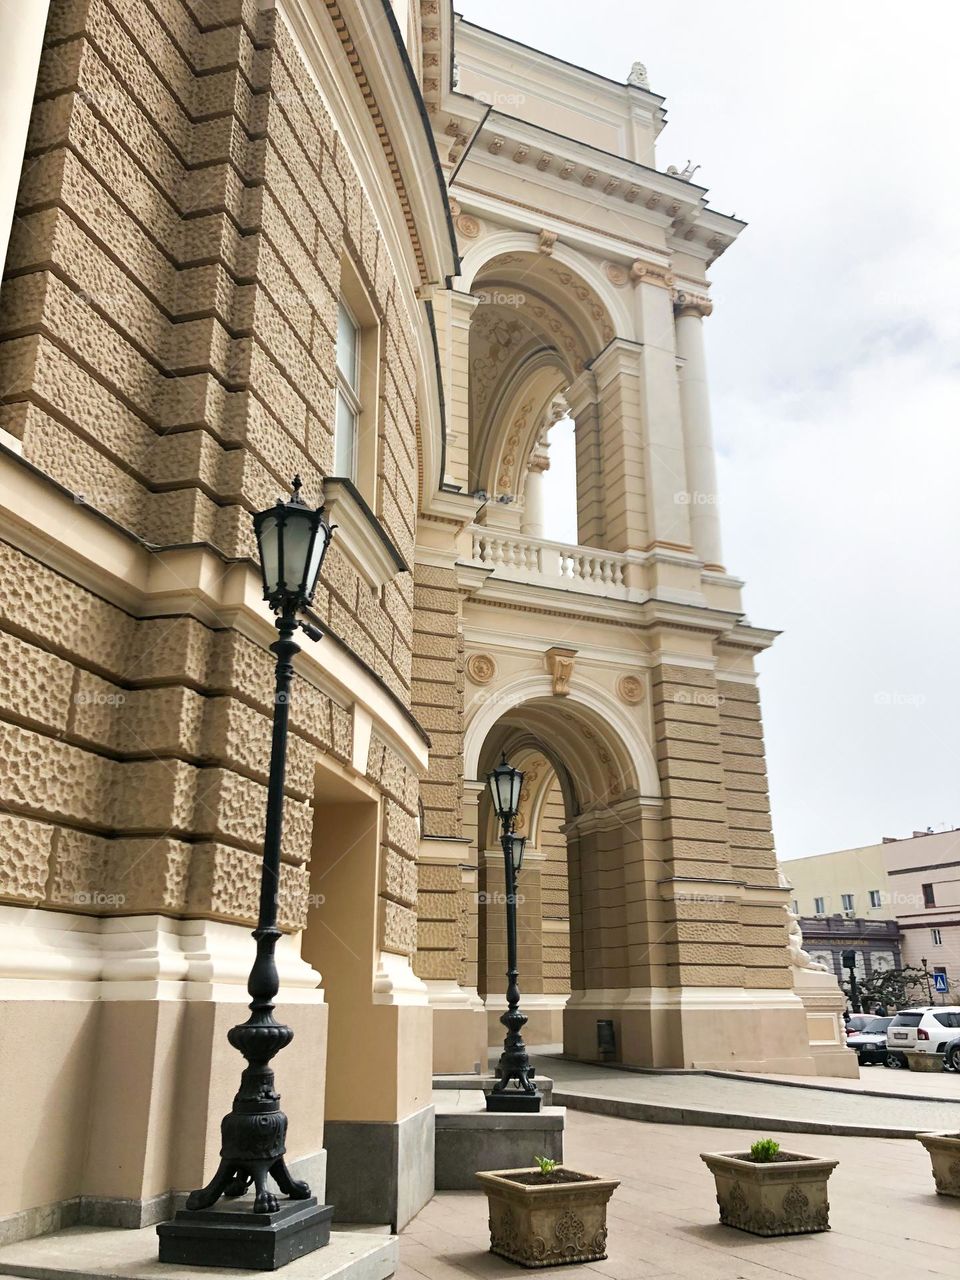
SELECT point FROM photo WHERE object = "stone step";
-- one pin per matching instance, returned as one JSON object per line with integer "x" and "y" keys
{"x": 98, "y": 1253}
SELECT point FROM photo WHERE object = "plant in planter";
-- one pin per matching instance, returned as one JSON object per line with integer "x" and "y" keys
{"x": 547, "y": 1216}
{"x": 770, "y": 1192}
{"x": 944, "y": 1152}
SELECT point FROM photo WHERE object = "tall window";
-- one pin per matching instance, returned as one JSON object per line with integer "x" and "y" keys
{"x": 818, "y": 906}
{"x": 846, "y": 901}
{"x": 929, "y": 897}
{"x": 875, "y": 900}
{"x": 346, "y": 430}
{"x": 936, "y": 937}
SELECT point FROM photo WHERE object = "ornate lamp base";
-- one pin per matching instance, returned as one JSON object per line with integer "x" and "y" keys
{"x": 227, "y": 1236}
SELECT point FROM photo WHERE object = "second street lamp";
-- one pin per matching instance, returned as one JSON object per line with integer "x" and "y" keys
{"x": 292, "y": 539}
{"x": 506, "y": 784}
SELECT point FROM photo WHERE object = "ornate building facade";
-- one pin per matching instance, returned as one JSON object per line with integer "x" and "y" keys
{"x": 387, "y": 250}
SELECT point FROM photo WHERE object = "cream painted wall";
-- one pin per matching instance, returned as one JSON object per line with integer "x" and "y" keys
{"x": 830, "y": 875}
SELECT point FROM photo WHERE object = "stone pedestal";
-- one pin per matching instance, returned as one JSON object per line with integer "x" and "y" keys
{"x": 471, "y": 1140}
{"x": 227, "y": 1236}
{"x": 823, "y": 1003}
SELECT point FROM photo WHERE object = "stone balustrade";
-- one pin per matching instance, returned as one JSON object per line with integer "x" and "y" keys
{"x": 518, "y": 558}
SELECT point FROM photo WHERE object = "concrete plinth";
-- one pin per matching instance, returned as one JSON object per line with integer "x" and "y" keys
{"x": 470, "y": 1139}
{"x": 824, "y": 1003}
{"x": 380, "y": 1172}
{"x": 96, "y": 1253}
{"x": 448, "y": 1083}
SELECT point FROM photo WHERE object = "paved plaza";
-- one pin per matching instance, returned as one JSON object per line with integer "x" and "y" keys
{"x": 888, "y": 1223}
{"x": 803, "y": 1102}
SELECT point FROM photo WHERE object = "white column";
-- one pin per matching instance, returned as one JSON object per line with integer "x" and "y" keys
{"x": 697, "y": 431}
{"x": 22, "y": 26}
{"x": 533, "y": 499}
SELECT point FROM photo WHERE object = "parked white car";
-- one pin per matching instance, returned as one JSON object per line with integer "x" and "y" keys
{"x": 926, "y": 1029}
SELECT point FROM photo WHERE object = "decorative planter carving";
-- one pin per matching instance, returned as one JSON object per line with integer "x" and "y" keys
{"x": 547, "y": 1224}
{"x": 944, "y": 1152}
{"x": 785, "y": 1197}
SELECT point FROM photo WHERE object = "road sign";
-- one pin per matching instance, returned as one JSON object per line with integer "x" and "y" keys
{"x": 940, "y": 982}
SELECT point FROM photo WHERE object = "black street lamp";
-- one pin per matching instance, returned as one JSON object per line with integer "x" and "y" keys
{"x": 849, "y": 959}
{"x": 505, "y": 785}
{"x": 292, "y": 539}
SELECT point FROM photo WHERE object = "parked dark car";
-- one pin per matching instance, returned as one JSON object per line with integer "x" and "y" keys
{"x": 951, "y": 1055}
{"x": 870, "y": 1041}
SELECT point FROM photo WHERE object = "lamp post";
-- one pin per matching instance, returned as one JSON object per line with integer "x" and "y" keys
{"x": 850, "y": 964}
{"x": 292, "y": 540}
{"x": 926, "y": 978}
{"x": 505, "y": 785}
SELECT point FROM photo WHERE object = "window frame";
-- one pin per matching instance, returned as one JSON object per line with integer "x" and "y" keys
{"x": 876, "y": 899}
{"x": 929, "y": 895}
{"x": 936, "y": 938}
{"x": 362, "y": 397}
{"x": 819, "y": 907}
{"x": 347, "y": 390}
{"x": 847, "y": 902}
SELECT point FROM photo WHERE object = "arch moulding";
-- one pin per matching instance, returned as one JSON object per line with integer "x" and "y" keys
{"x": 627, "y": 744}
{"x": 490, "y": 247}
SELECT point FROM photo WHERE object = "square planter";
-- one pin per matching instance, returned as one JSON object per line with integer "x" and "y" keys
{"x": 924, "y": 1061}
{"x": 785, "y": 1197}
{"x": 944, "y": 1152}
{"x": 547, "y": 1224}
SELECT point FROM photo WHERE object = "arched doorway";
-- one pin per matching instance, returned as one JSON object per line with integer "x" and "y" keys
{"x": 590, "y": 899}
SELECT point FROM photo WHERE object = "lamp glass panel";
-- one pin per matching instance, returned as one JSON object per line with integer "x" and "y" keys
{"x": 321, "y": 539}
{"x": 269, "y": 539}
{"x": 296, "y": 547}
{"x": 516, "y": 786}
{"x": 517, "y": 845}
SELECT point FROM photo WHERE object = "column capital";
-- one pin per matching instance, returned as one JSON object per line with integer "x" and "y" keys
{"x": 690, "y": 304}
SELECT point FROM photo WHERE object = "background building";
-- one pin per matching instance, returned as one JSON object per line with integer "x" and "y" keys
{"x": 388, "y": 251}
{"x": 859, "y": 894}
{"x": 876, "y": 943}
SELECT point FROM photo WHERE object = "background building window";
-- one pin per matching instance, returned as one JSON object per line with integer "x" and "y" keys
{"x": 818, "y": 906}
{"x": 846, "y": 901}
{"x": 875, "y": 900}
{"x": 346, "y": 428}
{"x": 795, "y": 907}
{"x": 936, "y": 937}
{"x": 929, "y": 897}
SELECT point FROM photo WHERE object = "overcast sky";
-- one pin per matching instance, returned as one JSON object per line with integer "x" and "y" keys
{"x": 834, "y": 354}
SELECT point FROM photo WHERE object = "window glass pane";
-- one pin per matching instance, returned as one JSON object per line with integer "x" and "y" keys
{"x": 345, "y": 440}
{"x": 347, "y": 346}
{"x": 847, "y": 899}
{"x": 907, "y": 1020}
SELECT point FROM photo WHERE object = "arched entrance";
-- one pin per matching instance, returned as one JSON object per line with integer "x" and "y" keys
{"x": 590, "y": 912}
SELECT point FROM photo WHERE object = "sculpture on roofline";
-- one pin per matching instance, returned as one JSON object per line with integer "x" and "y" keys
{"x": 638, "y": 76}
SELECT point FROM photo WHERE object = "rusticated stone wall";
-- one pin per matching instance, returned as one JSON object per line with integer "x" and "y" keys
{"x": 716, "y": 817}
{"x": 398, "y": 848}
{"x": 438, "y": 695}
{"x": 167, "y": 325}
{"x": 555, "y": 895}
{"x": 169, "y": 310}
{"x": 135, "y": 756}
{"x": 752, "y": 854}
